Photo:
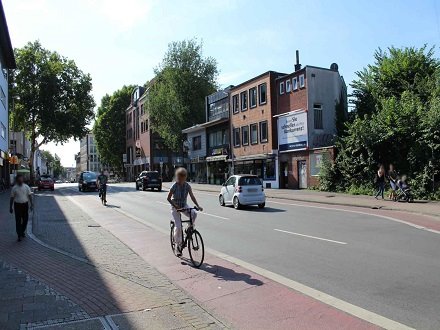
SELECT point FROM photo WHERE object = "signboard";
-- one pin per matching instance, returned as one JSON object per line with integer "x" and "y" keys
{"x": 292, "y": 131}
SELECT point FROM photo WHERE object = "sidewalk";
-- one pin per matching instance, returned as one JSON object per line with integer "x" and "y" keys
{"x": 419, "y": 207}
{"x": 99, "y": 283}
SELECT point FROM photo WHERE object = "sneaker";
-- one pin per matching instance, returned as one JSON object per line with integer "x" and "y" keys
{"x": 178, "y": 251}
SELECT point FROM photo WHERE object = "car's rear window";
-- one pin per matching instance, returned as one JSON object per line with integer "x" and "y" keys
{"x": 153, "y": 175}
{"x": 46, "y": 179}
{"x": 89, "y": 176}
{"x": 249, "y": 181}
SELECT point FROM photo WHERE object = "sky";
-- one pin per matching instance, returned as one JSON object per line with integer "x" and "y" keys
{"x": 120, "y": 42}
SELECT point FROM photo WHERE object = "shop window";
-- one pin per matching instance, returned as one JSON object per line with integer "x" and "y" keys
{"x": 270, "y": 170}
{"x": 317, "y": 114}
{"x": 235, "y": 104}
{"x": 243, "y": 97}
{"x": 253, "y": 97}
{"x": 197, "y": 142}
{"x": 263, "y": 132}
{"x": 236, "y": 137}
{"x": 316, "y": 163}
{"x": 254, "y": 134}
{"x": 245, "y": 135}
{"x": 262, "y": 93}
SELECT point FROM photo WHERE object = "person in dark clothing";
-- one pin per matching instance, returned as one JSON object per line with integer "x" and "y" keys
{"x": 393, "y": 178}
{"x": 380, "y": 181}
{"x": 21, "y": 197}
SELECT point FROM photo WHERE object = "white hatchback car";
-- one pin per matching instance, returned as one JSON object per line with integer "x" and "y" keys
{"x": 245, "y": 189}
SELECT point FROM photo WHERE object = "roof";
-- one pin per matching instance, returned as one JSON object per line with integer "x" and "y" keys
{"x": 305, "y": 68}
{"x": 258, "y": 77}
{"x": 7, "y": 52}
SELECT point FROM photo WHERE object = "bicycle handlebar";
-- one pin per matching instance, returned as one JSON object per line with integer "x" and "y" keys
{"x": 188, "y": 209}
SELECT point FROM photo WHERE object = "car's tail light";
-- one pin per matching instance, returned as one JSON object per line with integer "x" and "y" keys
{"x": 238, "y": 189}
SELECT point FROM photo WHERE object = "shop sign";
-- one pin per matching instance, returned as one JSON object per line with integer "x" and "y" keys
{"x": 292, "y": 131}
{"x": 219, "y": 151}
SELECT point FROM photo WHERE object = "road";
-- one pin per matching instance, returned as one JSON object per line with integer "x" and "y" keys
{"x": 380, "y": 265}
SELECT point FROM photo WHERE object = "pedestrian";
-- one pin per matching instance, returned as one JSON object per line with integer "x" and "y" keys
{"x": 380, "y": 181}
{"x": 21, "y": 197}
{"x": 392, "y": 177}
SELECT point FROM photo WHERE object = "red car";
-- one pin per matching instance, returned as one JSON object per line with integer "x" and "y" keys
{"x": 46, "y": 183}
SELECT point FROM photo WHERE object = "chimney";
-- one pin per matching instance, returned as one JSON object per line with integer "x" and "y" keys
{"x": 297, "y": 65}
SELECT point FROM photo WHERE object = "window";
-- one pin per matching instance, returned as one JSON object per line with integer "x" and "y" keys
{"x": 3, "y": 131}
{"x": 317, "y": 114}
{"x": 2, "y": 97}
{"x": 294, "y": 83}
{"x": 243, "y": 97}
{"x": 197, "y": 142}
{"x": 216, "y": 138}
{"x": 235, "y": 106}
{"x": 262, "y": 93}
{"x": 282, "y": 87}
{"x": 236, "y": 137}
{"x": 146, "y": 125}
{"x": 316, "y": 162}
{"x": 142, "y": 127}
{"x": 288, "y": 86}
{"x": 301, "y": 81}
{"x": 231, "y": 181}
{"x": 142, "y": 109}
{"x": 254, "y": 134}
{"x": 263, "y": 131}
{"x": 245, "y": 135}
{"x": 253, "y": 97}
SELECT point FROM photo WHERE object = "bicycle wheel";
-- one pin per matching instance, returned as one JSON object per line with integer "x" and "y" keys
{"x": 196, "y": 249}
{"x": 173, "y": 244}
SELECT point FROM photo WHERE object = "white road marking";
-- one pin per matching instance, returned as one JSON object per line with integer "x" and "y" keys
{"x": 204, "y": 213}
{"x": 344, "y": 306}
{"x": 308, "y": 236}
{"x": 358, "y": 212}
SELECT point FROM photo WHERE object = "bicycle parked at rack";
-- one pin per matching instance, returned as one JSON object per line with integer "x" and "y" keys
{"x": 191, "y": 238}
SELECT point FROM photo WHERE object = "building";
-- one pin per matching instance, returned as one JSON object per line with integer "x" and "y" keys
{"x": 196, "y": 150}
{"x": 77, "y": 164}
{"x": 145, "y": 148}
{"x": 306, "y": 118}
{"x": 89, "y": 158}
{"x": 40, "y": 164}
{"x": 253, "y": 128}
{"x": 20, "y": 146}
{"x": 7, "y": 62}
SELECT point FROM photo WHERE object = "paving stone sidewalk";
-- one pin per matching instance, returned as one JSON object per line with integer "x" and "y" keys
{"x": 106, "y": 284}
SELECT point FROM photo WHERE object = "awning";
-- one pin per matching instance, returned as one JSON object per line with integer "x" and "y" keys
{"x": 217, "y": 158}
{"x": 254, "y": 157}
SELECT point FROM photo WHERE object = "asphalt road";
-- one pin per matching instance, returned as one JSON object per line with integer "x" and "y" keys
{"x": 383, "y": 266}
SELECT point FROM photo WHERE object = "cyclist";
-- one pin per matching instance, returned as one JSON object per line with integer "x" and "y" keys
{"x": 177, "y": 197}
{"x": 101, "y": 182}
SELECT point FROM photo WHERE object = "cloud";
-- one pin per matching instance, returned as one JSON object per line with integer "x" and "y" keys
{"x": 123, "y": 14}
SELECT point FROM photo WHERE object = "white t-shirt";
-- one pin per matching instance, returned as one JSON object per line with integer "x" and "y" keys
{"x": 21, "y": 193}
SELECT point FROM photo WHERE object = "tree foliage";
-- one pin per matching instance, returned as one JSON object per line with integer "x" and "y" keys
{"x": 53, "y": 100}
{"x": 177, "y": 94}
{"x": 396, "y": 120}
{"x": 109, "y": 128}
{"x": 53, "y": 162}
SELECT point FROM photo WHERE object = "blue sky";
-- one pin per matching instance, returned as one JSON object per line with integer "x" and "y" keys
{"x": 120, "y": 42}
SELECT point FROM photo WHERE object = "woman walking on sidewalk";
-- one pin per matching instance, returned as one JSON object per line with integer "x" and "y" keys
{"x": 20, "y": 199}
{"x": 392, "y": 177}
{"x": 380, "y": 181}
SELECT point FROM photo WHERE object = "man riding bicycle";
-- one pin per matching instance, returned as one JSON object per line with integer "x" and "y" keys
{"x": 177, "y": 197}
{"x": 101, "y": 182}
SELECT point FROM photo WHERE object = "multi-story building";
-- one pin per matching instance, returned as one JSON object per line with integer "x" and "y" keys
{"x": 253, "y": 129}
{"x": 77, "y": 164}
{"x": 89, "y": 158}
{"x": 306, "y": 117}
{"x": 196, "y": 150}
{"x": 7, "y": 62}
{"x": 145, "y": 148}
{"x": 20, "y": 146}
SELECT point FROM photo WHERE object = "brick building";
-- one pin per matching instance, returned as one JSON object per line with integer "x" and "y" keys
{"x": 306, "y": 115}
{"x": 253, "y": 128}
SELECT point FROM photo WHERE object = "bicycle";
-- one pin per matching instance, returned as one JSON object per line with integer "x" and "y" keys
{"x": 191, "y": 238}
{"x": 103, "y": 193}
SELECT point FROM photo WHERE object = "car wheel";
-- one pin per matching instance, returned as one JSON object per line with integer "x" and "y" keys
{"x": 159, "y": 189}
{"x": 221, "y": 200}
{"x": 236, "y": 203}
{"x": 137, "y": 187}
{"x": 261, "y": 206}
{"x": 79, "y": 188}
{"x": 144, "y": 188}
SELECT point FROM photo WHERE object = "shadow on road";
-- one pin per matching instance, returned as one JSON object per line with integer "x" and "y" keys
{"x": 265, "y": 210}
{"x": 227, "y": 274}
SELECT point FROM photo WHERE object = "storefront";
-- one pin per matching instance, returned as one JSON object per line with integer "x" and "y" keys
{"x": 263, "y": 166}
{"x": 197, "y": 170}
{"x": 217, "y": 169}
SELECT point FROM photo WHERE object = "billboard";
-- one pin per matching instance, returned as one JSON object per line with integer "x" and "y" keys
{"x": 292, "y": 131}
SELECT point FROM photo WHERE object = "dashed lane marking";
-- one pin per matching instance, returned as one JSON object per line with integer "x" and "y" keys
{"x": 308, "y": 236}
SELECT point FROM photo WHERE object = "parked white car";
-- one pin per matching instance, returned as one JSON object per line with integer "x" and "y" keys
{"x": 241, "y": 190}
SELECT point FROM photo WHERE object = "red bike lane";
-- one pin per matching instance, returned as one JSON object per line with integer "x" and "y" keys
{"x": 235, "y": 294}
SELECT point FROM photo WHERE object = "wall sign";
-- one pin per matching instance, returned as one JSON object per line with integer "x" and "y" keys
{"x": 292, "y": 131}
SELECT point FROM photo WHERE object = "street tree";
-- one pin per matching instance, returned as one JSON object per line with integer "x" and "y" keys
{"x": 109, "y": 128}
{"x": 53, "y": 100}
{"x": 177, "y": 94}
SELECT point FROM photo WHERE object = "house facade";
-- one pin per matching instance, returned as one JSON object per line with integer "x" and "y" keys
{"x": 253, "y": 131}
{"x": 196, "y": 153}
{"x": 7, "y": 62}
{"x": 89, "y": 158}
{"x": 306, "y": 122}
